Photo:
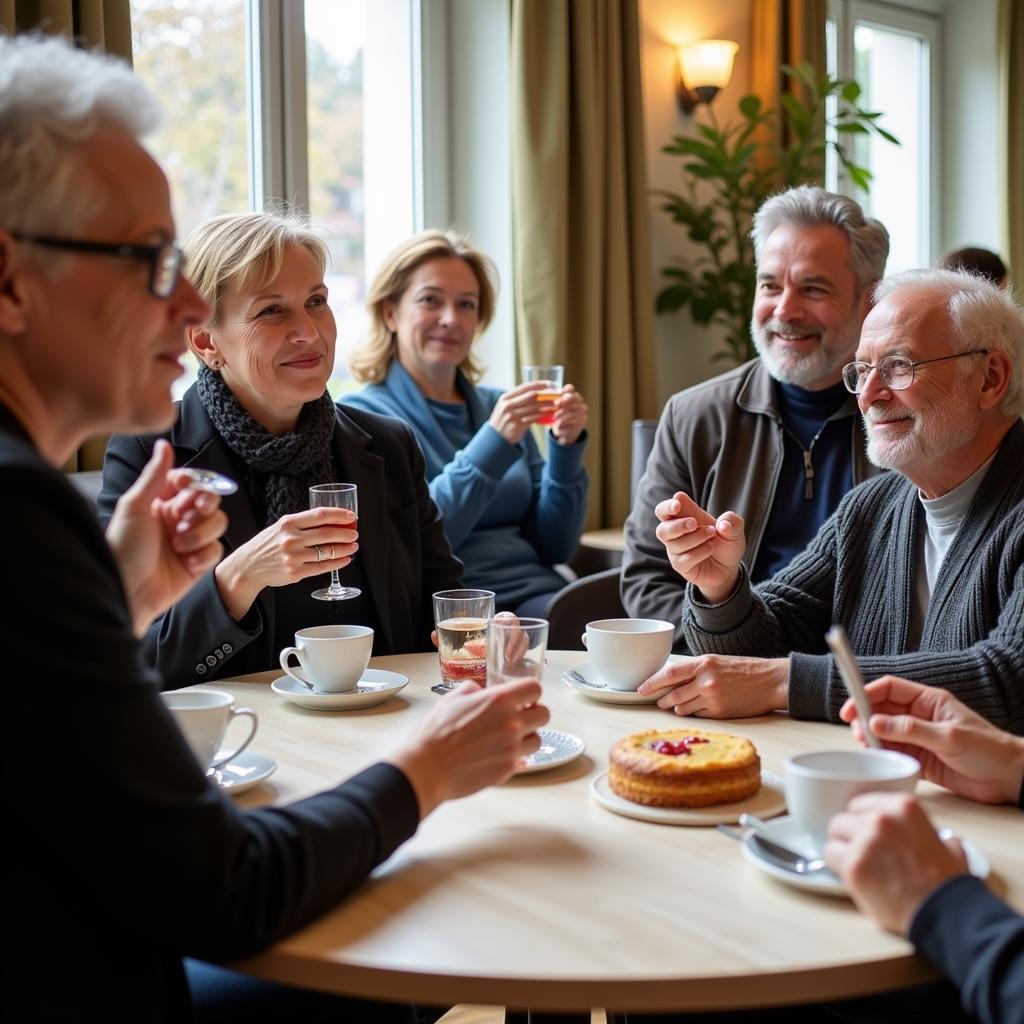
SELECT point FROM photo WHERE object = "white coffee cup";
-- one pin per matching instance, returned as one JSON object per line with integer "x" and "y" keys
{"x": 331, "y": 658}
{"x": 819, "y": 785}
{"x": 203, "y": 717}
{"x": 625, "y": 652}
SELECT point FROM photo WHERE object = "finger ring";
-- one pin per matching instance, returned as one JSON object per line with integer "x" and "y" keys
{"x": 319, "y": 554}
{"x": 332, "y": 553}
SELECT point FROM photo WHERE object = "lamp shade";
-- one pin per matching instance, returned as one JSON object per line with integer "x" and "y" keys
{"x": 707, "y": 63}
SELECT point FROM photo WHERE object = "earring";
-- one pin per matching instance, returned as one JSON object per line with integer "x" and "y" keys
{"x": 214, "y": 364}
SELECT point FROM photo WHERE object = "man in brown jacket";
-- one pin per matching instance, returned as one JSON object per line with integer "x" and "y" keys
{"x": 778, "y": 440}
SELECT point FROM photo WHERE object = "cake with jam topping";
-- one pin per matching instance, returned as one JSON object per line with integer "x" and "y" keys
{"x": 684, "y": 768}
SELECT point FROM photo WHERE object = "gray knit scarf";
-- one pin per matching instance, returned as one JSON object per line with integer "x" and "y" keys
{"x": 278, "y": 470}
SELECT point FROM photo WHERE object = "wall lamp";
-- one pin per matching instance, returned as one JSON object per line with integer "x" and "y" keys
{"x": 702, "y": 69}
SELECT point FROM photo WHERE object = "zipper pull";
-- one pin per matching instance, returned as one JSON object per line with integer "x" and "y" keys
{"x": 809, "y": 473}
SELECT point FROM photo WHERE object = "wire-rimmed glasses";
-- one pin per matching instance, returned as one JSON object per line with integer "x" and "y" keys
{"x": 335, "y": 496}
{"x": 897, "y": 372}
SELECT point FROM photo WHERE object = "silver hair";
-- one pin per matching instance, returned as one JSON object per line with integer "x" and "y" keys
{"x": 981, "y": 315}
{"x": 811, "y": 206}
{"x": 52, "y": 97}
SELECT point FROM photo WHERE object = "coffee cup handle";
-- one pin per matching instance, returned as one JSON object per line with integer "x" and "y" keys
{"x": 253, "y": 723}
{"x": 294, "y": 672}
{"x": 583, "y": 639}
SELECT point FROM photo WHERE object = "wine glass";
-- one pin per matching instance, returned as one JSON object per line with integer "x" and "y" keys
{"x": 335, "y": 496}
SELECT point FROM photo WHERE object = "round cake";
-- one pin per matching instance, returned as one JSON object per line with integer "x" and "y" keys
{"x": 684, "y": 768}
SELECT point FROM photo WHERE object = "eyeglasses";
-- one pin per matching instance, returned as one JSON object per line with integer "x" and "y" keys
{"x": 897, "y": 372}
{"x": 164, "y": 261}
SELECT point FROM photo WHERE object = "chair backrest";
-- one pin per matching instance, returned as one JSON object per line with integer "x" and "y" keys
{"x": 89, "y": 483}
{"x": 582, "y": 601}
{"x": 642, "y": 442}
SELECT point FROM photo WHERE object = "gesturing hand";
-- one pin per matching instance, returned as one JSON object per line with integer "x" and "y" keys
{"x": 294, "y": 548}
{"x": 472, "y": 738}
{"x": 957, "y": 748}
{"x": 164, "y": 536}
{"x": 704, "y": 551}
{"x": 517, "y": 410}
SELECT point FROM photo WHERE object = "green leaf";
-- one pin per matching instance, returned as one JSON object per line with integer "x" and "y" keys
{"x": 860, "y": 176}
{"x": 804, "y": 73}
{"x": 672, "y": 298}
{"x": 797, "y": 112}
{"x": 887, "y": 136}
{"x": 851, "y": 90}
{"x": 853, "y": 128}
{"x": 750, "y": 106}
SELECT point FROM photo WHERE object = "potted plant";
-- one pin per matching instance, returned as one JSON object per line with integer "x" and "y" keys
{"x": 728, "y": 172}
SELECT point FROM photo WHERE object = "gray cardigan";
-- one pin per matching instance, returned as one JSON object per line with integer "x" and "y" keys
{"x": 859, "y": 571}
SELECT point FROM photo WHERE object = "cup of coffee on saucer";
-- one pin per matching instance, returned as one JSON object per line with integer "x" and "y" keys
{"x": 819, "y": 785}
{"x": 203, "y": 716}
{"x": 332, "y": 659}
{"x": 625, "y": 652}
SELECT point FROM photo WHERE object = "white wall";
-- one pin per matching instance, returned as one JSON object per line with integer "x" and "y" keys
{"x": 683, "y": 349}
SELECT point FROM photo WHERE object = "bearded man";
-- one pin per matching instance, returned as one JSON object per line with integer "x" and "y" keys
{"x": 778, "y": 440}
{"x": 924, "y": 566}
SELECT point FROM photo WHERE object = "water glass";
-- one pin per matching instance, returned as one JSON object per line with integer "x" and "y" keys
{"x": 516, "y": 649}
{"x": 554, "y": 375}
{"x": 460, "y": 618}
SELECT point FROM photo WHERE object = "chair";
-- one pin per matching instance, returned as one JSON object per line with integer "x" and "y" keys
{"x": 588, "y": 598}
{"x": 88, "y": 483}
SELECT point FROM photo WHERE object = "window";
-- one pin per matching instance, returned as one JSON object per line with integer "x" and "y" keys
{"x": 893, "y": 55}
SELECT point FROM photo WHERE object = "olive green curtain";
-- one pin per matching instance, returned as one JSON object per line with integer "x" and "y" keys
{"x": 582, "y": 287}
{"x": 784, "y": 32}
{"x": 1011, "y": 116}
{"x": 97, "y": 25}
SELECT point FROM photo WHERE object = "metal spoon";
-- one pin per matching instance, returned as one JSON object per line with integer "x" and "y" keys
{"x": 208, "y": 480}
{"x": 776, "y": 853}
{"x": 581, "y": 680}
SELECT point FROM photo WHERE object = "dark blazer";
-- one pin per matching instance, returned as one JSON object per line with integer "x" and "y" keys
{"x": 402, "y": 547}
{"x": 121, "y": 857}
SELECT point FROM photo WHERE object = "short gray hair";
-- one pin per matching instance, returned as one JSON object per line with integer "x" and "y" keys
{"x": 981, "y": 315}
{"x": 53, "y": 97}
{"x": 811, "y": 206}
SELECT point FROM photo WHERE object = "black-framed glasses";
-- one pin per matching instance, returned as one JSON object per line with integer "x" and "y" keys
{"x": 897, "y": 372}
{"x": 164, "y": 260}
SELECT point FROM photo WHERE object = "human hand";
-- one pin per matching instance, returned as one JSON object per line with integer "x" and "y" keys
{"x": 164, "y": 536}
{"x": 472, "y": 738}
{"x": 297, "y": 546}
{"x": 957, "y": 748}
{"x": 571, "y": 414}
{"x": 889, "y": 856}
{"x": 721, "y": 686}
{"x": 518, "y": 409}
{"x": 704, "y": 551}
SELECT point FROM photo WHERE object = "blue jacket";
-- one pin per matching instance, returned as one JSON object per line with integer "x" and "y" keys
{"x": 508, "y": 515}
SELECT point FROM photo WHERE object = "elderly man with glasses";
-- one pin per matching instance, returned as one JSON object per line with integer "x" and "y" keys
{"x": 924, "y": 566}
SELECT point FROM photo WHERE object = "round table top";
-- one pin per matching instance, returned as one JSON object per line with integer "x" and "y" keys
{"x": 532, "y": 894}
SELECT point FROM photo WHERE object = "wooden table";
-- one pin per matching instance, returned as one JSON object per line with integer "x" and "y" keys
{"x": 598, "y": 550}
{"x": 531, "y": 894}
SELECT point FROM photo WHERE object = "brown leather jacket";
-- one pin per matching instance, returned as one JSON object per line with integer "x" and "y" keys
{"x": 721, "y": 442}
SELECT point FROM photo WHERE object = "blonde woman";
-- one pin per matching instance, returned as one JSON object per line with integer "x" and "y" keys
{"x": 509, "y": 515}
{"x": 260, "y": 413}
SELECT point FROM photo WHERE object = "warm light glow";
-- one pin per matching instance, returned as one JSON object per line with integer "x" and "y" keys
{"x": 707, "y": 63}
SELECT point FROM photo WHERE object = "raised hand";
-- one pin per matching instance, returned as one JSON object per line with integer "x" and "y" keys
{"x": 473, "y": 738}
{"x": 705, "y": 551}
{"x": 297, "y": 546}
{"x": 571, "y": 414}
{"x": 957, "y": 748}
{"x": 517, "y": 410}
{"x": 164, "y": 536}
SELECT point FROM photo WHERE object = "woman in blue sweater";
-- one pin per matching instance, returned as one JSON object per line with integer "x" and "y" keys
{"x": 509, "y": 515}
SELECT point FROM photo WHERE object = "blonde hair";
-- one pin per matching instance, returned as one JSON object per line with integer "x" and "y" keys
{"x": 369, "y": 363}
{"x": 244, "y": 251}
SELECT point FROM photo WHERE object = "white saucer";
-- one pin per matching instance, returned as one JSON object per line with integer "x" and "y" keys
{"x": 375, "y": 686}
{"x": 597, "y": 690}
{"x": 556, "y": 748}
{"x": 244, "y": 772}
{"x": 785, "y": 831}
{"x": 765, "y": 803}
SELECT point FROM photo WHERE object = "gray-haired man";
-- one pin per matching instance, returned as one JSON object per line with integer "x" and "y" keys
{"x": 778, "y": 440}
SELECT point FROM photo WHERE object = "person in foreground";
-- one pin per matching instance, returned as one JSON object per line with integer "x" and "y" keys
{"x": 898, "y": 870}
{"x": 777, "y": 440}
{"x": 260, "y": 413}
{"x": 924, "y": 566}
{"x": 510, "y": 516}
{"x": 146, "y": 862}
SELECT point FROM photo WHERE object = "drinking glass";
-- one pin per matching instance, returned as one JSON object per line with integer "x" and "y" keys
{"x": 335, "y": 496}
{"x": 554, "y": 376}
{"x": 460, "y": 617}
{"x": 515, "y": 649}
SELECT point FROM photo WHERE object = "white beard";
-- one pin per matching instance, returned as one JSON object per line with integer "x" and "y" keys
{"x": 835, "y": 349}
